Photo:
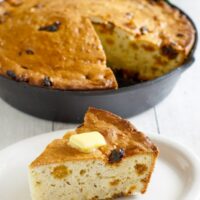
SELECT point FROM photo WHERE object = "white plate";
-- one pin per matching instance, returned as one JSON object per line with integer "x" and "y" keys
{"x": 176, "y": 176}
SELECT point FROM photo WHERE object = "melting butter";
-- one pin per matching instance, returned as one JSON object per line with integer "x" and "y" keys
{"x": 87, "y": 142}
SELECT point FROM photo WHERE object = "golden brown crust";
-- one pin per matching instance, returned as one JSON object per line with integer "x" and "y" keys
{"x": 59, "y": 151}
{"x": 153, "y": 21}
{"x": 117, "y": 132}
{"x": 54, "y": 47}
{"x": 72, "y": 57}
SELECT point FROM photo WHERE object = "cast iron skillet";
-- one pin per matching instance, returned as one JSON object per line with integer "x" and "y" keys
{"x": 70, "y": 106}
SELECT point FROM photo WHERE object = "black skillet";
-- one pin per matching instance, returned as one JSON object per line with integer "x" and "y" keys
{"x": 70, "y": 106}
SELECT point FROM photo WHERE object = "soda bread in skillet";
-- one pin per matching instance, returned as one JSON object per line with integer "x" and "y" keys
{"x": 121, "y": 167}
{"x": 64, "y": 44}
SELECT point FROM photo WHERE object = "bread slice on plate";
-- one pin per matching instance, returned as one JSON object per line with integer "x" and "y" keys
{"x": 121, "y": 167}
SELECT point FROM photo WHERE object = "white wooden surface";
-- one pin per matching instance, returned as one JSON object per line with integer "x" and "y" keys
{"x": 177, "y": 117}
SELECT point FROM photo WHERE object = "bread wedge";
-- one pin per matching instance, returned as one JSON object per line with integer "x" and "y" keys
{"x": 120, "y": 168}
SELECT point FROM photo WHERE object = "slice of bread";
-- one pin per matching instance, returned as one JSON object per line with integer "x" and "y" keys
{"x": 121, "y": 168}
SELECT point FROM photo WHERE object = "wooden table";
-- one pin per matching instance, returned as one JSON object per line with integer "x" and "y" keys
{"x": 177, "y": 117}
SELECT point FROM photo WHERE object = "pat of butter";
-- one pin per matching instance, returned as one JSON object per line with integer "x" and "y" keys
{"x": 87, "y": 142}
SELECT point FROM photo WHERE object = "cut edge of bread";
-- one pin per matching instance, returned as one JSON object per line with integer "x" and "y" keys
{"x": 93, "y": 179}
